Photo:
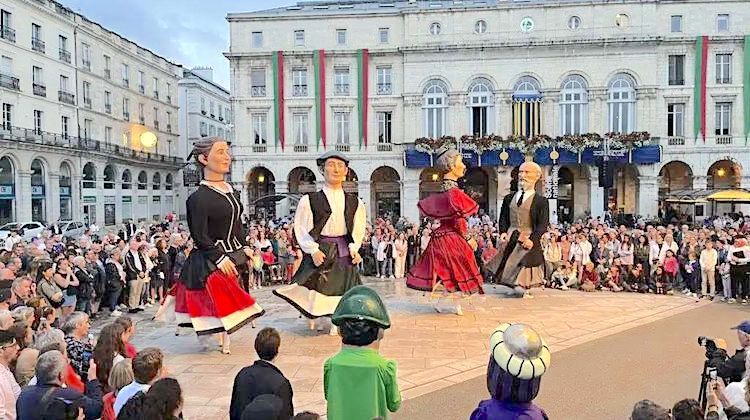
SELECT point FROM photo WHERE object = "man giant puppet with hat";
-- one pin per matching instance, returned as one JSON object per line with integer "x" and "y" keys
{"x": 329, "y": 226}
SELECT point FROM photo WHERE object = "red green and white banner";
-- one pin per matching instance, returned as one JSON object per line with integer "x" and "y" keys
{"x": 699, "y": 95}
{"x": 363, "y": 61}
{"x": 278, "y": 98}
{"x": 319, "y": 64}
{"x": 746, "y": 87}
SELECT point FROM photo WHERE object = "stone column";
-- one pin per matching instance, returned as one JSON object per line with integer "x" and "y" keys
{"x": 409, "y": 199}
{"x": 23, "y": 196}
{"x": 700, "y": 182}
{"x": 100, "y": 193}
{"x": 365, "y": 194}
{"x": 76, "y": 194}
{"x": 596, "y": 194}
{"x": 52, "y": 198}
{"x": 283, "y": 206}
{"x": 648, "y": 196}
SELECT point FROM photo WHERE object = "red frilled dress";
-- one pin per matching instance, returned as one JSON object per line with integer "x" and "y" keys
{"x": 448, "y": 257}
{"x": 204, "y": 297}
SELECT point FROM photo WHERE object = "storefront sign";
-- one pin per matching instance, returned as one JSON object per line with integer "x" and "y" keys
{"x": 37, "y": 191}
{"x": 127, "y": 199}
{"x": 89, "y": 199}
{"x": 109, "y": 199}
{"x": 6, "y": 191}
{"x": 157, "y": 199}
{"x": 64, "y": 191}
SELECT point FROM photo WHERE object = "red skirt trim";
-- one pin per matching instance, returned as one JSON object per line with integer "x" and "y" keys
{"x": 449, "y": 259}
{"x": 221, "y": 306}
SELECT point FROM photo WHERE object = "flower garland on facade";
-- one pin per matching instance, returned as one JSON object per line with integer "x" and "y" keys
{"x": 528, "y": 146}
{"x": 430, "y": 145}
{"x": 481, "y": 144}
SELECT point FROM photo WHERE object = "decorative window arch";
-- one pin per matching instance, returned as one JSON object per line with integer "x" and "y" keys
{"x": 527, "y": 110}
{"x": 435, "y": 107}
{"x": 621, "y": 99}
{"x": 527, "y": 85}
{"x": 481, "y": 107}
{"x": 574, "y": 105}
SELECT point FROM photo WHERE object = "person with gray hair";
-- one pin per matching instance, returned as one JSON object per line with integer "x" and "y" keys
{"x": 78, "y": 342}
{"x": 50, "y": 373}
{"x": 448, "y": 265}
{"x": 85, "y": 288}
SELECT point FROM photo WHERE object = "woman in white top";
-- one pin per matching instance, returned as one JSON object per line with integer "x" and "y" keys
{"x": 262, "y": 243}
{"x": 399, "y": 254}
{"x": 384, "y": 259}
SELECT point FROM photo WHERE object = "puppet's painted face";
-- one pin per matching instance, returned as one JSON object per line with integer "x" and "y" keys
{"x": 458, "y": 169}
{"x": 528, "y": 175}
{"x": 335, "y": 171}
{"x": 219, "y": 159}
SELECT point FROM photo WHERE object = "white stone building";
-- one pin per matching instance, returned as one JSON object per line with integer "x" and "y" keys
{"x": 89, "y": 122}
{"x": 204, "y": 110}
{"x": 457, "y": 67}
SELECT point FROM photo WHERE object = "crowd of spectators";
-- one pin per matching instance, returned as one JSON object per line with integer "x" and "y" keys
{"x": 51, "y": 288}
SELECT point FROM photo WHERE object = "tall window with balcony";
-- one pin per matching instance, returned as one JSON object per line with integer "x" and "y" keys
{"x": 108, "y": 102}
{"x": 37, "y": 42}
{"x": 65, "y": 95}
{"x": 723, "y": 123}
{"x": 64, "y": 126}
{"x": 126, "y": 109}
{"x": 299, "y": 38}
{"x": 299, "y": 122}
{"x": 37, "y": 81}
{"x": 125, "y": 75}
{"x": 63, "y": 48}
{"x": 259, "y": 129}
{"x": 385, "y": 86}
{"x": 155, "y": 83}
{"x": 299, "y": 78}
{"x": 385, "y": 119}
{"x": 481, "y": 106}
{"x": 257, "y": 39}
{"x": 141, "y": 82}
{"x": 169, "y": 92}
{"x": 383, "y": 35}
{"x": 434, "y": 108}
{"x": 341, "y": 81}
{"x": 6, "y": 26}
{"x": 38, "y": 122}
{"x": 211, "y": 130}
{"x": 724, "y": 69}
{"x": 675, "y": 23}
{"x": 169, "y": 122}
{"x": 87, "y": 129}
{"x": 676, "y": 70}
{"x": 87, "y": 95}
{"x": 211, "y": 109}
{"x": 203, "y": 129}
{"x": 227, "y": 115}
{"x": 574, "y": 102}
{"x": 108, "y": 67}
{"x": 621, "y": 101}
{"x": 7, "y": 116}
{"x": 340, "y": 36}
{"x": 7, "y": 79}
{"x": 141, "y": 114}
{"x": 676, "y": 124}
{"x": 341, "y": 123}
{"x": 86, "y": 56}
{"x": 108, "y": 135}
{"x": 203, "y": 106}
{"x": 156, "y": 118}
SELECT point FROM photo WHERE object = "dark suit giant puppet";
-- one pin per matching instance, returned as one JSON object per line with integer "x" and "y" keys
{"x": 524, "y": 217}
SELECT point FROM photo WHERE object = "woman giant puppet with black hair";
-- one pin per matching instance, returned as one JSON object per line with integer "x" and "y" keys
{"x": 207, "y": 294}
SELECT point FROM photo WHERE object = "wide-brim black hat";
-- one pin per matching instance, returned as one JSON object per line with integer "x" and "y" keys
{"x": 332, "y": 155}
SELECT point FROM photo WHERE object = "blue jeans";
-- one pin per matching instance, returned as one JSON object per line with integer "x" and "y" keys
{"x": 386, "y": 267}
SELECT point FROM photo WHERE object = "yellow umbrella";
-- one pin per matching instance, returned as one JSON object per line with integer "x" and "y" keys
{"x": 730, "y": 195}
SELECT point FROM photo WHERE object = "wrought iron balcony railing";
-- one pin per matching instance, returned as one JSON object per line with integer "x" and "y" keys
{"x": 39, "y": 89}
{"x": 37, "y": 45}
{"x": 65, "y": 55}
{"x": 66, "y": 97}
{"x": 7, "y": 33}
{"x": 9, "y": 82}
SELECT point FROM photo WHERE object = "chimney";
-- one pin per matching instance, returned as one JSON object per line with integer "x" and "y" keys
{"x": 204, "y": 72}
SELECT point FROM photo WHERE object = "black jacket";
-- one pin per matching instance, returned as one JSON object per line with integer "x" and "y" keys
{"x": 131, "y": 270}
{"x": 731, "y": 369}
{"x": 260, "y": 378}
{"x": 29, "y": 405}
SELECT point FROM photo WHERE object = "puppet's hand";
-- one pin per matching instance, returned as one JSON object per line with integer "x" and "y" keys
{"x": 356, "y": 258}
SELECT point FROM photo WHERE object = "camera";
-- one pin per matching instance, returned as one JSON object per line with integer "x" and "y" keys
{"x": 711, "y": 371}
{"x": 708, "y": 343}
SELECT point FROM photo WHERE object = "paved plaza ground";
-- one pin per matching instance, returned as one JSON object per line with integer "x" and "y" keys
{"x": 434, "y": 351}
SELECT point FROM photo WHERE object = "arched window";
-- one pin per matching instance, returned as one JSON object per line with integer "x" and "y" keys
{"x": 621, "y": 98}
{"x": 127, "y": 179}
{"x": 527, "y": 86}
{"x": 435, "y": 105}
{"x": 481, "y": 105}
{"x": 142, "y": 180}
{"x": 527, "y": 98}
{"x": 89, "y": 176}
{"x": 109, "y": 177}
{"x": 157, "y": 181}
{"x": 574, "y": 101}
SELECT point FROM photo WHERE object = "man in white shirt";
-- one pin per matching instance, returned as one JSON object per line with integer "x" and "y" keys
{"x": 148, "y": 367}
{"x": 326, "y": 221}
{"x": 708, "y": 260}
{"x": 9, "y": 389}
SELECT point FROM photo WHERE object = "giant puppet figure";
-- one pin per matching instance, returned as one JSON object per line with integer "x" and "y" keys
{"x": 207, "y": 294}
{"x": 524, "y": 217}
{"x": 329, "y": 226}
{"x": 448, "y": 261}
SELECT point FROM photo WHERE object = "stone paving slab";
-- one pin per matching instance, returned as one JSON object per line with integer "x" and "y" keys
{"x": 433, "y": 350}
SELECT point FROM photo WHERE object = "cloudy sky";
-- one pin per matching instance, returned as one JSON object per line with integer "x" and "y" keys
{"x": 189, "y": 32}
